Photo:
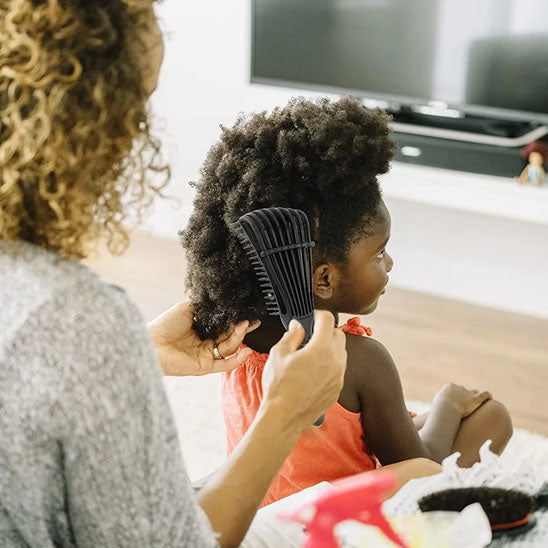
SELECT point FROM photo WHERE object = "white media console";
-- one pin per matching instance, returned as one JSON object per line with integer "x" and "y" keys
{"x": 476, "y": 238}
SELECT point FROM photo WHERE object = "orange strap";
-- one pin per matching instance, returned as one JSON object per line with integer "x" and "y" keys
{"x": 518, "y": 523}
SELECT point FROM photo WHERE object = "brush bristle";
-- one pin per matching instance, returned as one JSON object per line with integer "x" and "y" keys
{"x": 502, "y": 506}
{"x": 265, "y": 284}
{"x": 278, "y": 243}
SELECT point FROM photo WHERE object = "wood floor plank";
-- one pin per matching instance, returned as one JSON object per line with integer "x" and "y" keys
{"x": 432, "y": 340}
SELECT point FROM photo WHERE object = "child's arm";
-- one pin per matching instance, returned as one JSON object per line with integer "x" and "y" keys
{"x": 390, "y": 431}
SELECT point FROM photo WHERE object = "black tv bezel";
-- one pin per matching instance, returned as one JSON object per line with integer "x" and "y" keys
{"x": 393, "y": 102}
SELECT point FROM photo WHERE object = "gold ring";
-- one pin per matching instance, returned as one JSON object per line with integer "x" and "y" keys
{"x": 216, "y": 354}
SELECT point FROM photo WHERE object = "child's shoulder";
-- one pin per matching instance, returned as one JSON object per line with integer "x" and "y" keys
{"x": 370, "y": 367}
{"x": 366, "y": 350}
{"x": 361, "y": 347}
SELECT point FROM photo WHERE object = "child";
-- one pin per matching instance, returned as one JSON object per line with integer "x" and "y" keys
{"x": 322, "y": 157}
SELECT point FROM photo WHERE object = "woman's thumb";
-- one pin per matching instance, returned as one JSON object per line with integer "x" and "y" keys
{"x": 292, "y": 338}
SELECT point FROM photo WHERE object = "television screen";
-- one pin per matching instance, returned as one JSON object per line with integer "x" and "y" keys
{"x": 482, "y": 56}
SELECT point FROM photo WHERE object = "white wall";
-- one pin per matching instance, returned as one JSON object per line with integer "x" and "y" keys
{"x": 204, "y": 83}
{"x": 484, "y": 259}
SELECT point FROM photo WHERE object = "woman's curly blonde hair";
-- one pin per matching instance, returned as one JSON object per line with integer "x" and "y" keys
{"x": 76, "y": 151}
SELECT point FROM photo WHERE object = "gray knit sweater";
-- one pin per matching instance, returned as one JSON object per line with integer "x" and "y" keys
{"x": 89, "y": 454}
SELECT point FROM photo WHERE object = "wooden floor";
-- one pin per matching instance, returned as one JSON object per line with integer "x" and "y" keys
{"x": 432, "y": 340}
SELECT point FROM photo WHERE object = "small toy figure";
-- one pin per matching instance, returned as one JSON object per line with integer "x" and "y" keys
{"x": 536, "y": 153}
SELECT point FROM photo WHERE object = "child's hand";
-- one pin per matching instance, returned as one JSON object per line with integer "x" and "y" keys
{"x": 467, "y": 401}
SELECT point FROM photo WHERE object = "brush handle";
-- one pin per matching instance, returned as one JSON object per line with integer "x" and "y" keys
{"x": 320, "y": 421}
{"x": 308, "y": 323}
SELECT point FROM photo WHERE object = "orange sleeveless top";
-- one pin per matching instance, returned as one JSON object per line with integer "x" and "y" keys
{"x": 335, "y": 450}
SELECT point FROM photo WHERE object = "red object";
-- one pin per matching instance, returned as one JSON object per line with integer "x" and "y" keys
{"x": 358, "y": 498}
{"x": 354, "y": 327}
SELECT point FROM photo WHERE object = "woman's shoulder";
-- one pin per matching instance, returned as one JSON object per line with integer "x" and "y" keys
{"x": 32, "y": 276}
{"x": 61, "y": 308}
{"x": 68, "y": 340}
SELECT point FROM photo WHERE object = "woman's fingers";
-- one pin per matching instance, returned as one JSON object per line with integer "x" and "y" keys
{"x": 232, "y": 362}
{"x": 324, "y": 324}
{"x": 291, "y": 339}
{"x": 229, "y": 342}
{"x": 253, "y": 325}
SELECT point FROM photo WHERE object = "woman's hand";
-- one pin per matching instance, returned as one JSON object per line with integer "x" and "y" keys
{"x": 467, "y": 401}
{"x": 181, "y": 352}
{"x": 304, "y": 383}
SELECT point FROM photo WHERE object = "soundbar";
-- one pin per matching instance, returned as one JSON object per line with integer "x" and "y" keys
{"x": 459, "y": 155}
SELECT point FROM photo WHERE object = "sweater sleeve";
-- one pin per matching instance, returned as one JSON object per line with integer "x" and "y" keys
{"x": 120, "y": 459}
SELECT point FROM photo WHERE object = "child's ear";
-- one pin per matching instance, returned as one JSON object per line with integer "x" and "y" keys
{"x": 325, "y": 280}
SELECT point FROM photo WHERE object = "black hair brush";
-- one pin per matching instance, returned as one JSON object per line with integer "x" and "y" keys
{"x": 278, "y": 243}
{"x": 509, "y": 511}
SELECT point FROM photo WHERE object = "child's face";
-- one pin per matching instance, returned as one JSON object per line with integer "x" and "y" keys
{"x": 355, "y": 288}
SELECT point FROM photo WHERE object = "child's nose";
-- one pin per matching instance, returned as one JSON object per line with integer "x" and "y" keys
{"x": 389, "y": 263}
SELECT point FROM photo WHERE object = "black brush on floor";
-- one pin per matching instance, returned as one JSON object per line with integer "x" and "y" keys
{"x": 277, "y": 241}
{"x": 510, "y": 512}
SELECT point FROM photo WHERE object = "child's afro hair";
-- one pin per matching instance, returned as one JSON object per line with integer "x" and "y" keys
{"x": 320, "y": 156}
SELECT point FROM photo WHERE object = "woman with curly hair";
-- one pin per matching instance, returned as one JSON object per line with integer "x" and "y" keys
{"x": 322, "y": 157}
{"x": 88, "y": 449}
